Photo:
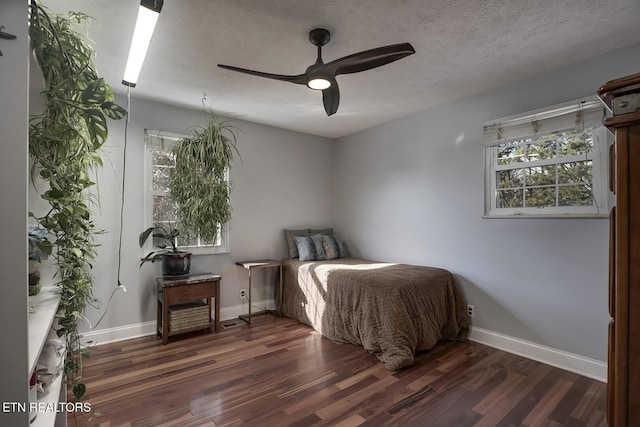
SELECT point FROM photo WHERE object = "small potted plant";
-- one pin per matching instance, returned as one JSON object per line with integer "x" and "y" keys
{"x": 39, "y": 249}
{"x": 174, "y": 261}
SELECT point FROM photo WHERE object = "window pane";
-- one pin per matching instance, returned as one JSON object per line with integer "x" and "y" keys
{"x": 163, "y": 210}
{"x": 511, "y": 152}
{"x": 540, "y": 197}
{"x": 194, "y": 240}
{"x": 575, "y": 173}
{"x": 160, "y": 178}
{"x": 163, "y": 158}
{"x": 541, "y": 175}
{"x": 575, "y": 142}
{"x": 541, "y": 148}
{"x": 510, "y": 199}
{"x": 575, "y": 195}
{"x": 191, "y": 241}
{"x": 510, "y": 178}
{"x": 162, "y": 165}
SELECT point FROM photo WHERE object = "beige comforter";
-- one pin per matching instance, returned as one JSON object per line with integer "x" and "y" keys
{"x": 392, "y": 310}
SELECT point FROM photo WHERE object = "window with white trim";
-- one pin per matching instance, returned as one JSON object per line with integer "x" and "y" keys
{"x": 549, "y": 162}
{"x": 159, "y": 211}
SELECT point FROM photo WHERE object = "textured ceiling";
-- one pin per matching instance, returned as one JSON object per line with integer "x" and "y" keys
{"x": 462, "y": 47}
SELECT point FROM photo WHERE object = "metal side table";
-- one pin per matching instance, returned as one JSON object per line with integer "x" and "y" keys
{"x": 261, "y": 263}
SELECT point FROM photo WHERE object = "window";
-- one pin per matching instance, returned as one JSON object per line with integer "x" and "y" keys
{"x": 550, "y": 162}
{"x": 159, "y": 211}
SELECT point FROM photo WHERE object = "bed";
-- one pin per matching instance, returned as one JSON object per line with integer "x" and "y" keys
{"x": 392, "y": 310}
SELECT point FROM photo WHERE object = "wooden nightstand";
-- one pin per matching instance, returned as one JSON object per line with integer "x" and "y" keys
{"x": 173, "y": 292}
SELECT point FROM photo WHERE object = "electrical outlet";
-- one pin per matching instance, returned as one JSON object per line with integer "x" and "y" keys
{"x": 243, "y": 294}
{"x": 471, "y": 310}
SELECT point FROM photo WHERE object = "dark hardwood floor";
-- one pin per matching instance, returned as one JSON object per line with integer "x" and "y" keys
{"x": 279, "y": 372}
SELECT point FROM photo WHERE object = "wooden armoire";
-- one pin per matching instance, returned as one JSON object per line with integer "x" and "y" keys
{"x": 622, "y": 96}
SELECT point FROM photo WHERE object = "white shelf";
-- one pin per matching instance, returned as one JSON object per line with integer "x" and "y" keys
{"x": 48, "y": 417}
{"x": 45, "y": 305}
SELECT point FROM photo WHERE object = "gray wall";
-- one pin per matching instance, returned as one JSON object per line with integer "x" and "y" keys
{"x": 412, "y": 191}
{"x": 14, "y": 67}
{"x": 282, "y": 179}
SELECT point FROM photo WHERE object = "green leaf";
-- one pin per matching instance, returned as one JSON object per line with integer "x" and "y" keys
{"x": 97, "y": 159}
{"x": 77, "y": 252}
{"x": 98, "y": 92}
{"x": 70, "y": 367}
{"x": 79, "y": 390}
{"x": 52, "y": 195}
{"x": 113, "y": 111}
{"x": 145, "y": 235}
{"x": 97, "y": 127}
{"x": 45, "y": 246}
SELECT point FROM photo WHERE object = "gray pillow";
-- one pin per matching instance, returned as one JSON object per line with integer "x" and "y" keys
{"x": 310, "y": 248}
{"x": 333, "y": 246}
{"x": 291, "y": 244}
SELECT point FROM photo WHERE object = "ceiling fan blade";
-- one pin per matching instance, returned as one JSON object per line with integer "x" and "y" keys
{"x": 331, "y": 98}
{"x": 299, "y": 79}
{"x": 369, "y": 59}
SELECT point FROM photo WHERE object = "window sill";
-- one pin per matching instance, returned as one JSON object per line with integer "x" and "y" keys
{"x": 198, "y": 252}
{"x": 548, "y": 216}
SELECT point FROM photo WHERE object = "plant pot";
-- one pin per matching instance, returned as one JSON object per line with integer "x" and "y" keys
{"x": 34, "y": 283}
{"x": 176, "y": 264}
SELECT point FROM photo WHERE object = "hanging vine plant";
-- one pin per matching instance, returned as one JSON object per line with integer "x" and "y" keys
{"x": 198, "y": 185}
{"x": 64, "y": 146}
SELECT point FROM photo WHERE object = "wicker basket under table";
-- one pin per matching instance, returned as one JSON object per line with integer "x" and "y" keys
{"x": 189, "y": 316}
{"x": 184, "y": 304}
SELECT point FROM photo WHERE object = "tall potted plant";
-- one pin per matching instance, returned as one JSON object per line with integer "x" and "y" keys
{"x": 199, "y": 184}
{"x": 64, "y": 146}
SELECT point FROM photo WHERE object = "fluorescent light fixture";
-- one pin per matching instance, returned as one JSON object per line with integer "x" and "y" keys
{"x": 318, "y": 83}
{"x": 148, "y": 14}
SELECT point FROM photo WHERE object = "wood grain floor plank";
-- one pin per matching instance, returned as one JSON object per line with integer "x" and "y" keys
{"x": 278, "y": 372}
{"x": 547, "y": 404}
{"x": 562, "y": 413}
{"x": 502, "y": 407}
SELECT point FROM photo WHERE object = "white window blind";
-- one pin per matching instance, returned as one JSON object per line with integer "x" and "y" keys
{"x": 548, "y": 162}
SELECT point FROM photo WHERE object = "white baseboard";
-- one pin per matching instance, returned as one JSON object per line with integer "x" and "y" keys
{"x": 584, "y": 366}
{"x": 121, "y": 333}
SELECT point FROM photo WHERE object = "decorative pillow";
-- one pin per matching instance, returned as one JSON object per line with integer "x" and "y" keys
{"x": 291, "y": 244}
{"x": 333, "y": 246}
{"x": 320, "y": 252}
{"x": 310, "y": 248}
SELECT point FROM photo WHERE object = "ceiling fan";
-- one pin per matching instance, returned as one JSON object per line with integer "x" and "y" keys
{"x": 321, "y": 76}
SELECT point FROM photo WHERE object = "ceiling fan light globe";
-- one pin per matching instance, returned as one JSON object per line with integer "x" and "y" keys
{"x": 318, "y": 83}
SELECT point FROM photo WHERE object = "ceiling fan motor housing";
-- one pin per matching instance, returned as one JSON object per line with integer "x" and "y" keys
{"x": 319, "y": 37}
